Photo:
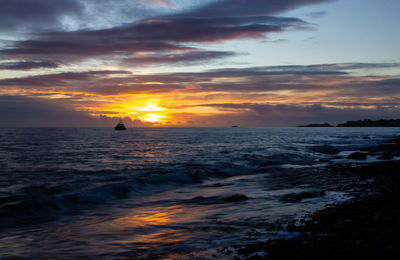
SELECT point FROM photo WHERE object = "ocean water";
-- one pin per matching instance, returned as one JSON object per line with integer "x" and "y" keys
{"x": 149, "y": 193}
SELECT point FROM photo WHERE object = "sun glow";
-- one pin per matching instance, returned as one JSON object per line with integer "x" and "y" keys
{"x": 147, "y": 110}
{"x": 152, "y": 105}
{"x": 152, "y": 118}
{"x": 146, "y": 113}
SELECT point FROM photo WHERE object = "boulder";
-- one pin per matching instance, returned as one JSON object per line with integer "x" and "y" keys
{"x": 357, "y": 156}
{"x": 235, "y": 198}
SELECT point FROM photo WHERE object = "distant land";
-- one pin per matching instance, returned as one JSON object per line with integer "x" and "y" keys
{"x": 316, "y": 125}
{"x": 362, "y": 123}
{"x": 372, "y": 123}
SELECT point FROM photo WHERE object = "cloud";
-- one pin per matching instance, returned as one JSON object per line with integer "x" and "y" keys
{"x": 327, "y": 79}
{"x": 58, "y": 79}
{"x": 19, "y": 111}
{"x": 35, "y": 15}
{"x": 215, "y": 22}
{"x": 24, "y": 111}
{"x": 192, "y": 57}
{"x": 164, "y": 3}
{"x": 27, "y": 65}
{"x": 251, "y": 7}
{"x": 135, "y": 33}
{"x": 45, "y": 15}
{"x": 275, "y": 41}
{"x": 296, "y": 94}
{"x": 156, "y": 35}
{"x": 316, "y": 15}
{"x": 27, "y": 16}
{"x": 249, "y": 114}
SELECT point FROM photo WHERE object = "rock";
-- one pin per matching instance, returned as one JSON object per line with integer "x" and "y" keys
{"x": 235, "y": 198}
{"x": 393, "y": 141}
{"x": 357, "y": 156}
{"x": 271, "y": 163}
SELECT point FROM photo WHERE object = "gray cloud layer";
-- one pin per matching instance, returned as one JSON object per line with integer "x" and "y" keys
{"x": 254, "y": 79}
{"x": 36, "y": 15}
{"x": 65, "y": 15}
{"x": 218, "y": 21}
{"x": 27, "y": 65}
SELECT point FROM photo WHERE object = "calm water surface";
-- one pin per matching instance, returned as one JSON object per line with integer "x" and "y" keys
{"x": 163, "y": 192}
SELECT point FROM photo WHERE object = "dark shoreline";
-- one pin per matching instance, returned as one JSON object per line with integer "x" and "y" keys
{"x": 367, "y": 227}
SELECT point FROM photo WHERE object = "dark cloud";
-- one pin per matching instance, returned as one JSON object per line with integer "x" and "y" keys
{"x": 79, "y": 48}
{"x": 27, "y": 65}
{"x": 19, "y": 111}
{"x": 111, "y": 82}
{"x": 58, "y": 79}
{"x": 250, "y": 7}
{"x": 164, "y": 34}
{"x": 326, "y": 68}
{"x": 244, "y": 80}
{"x": 111, "y": 87}
{"x": 24, "y": 111}
{"x": 215, "y": 22}
{"x": 264, "y": 109}
{"x": 35, "y": 15}
{"x": 250, "y": 114}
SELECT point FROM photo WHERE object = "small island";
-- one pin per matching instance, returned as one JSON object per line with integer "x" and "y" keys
{"x": 316, "y": 125}
{"x": 372, "y": 123}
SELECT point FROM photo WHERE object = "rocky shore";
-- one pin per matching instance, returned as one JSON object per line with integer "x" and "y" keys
{"x": 367, "y": 227}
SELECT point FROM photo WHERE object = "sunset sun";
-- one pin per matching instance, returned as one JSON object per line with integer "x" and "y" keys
{"x": 152, "y": 117}
{"x": 147, "y": 110}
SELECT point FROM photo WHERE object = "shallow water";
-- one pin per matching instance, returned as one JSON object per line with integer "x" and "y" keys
{"x": 163, "y": 192}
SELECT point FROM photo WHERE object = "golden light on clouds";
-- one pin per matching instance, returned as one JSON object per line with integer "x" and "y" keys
{"x": 190, "y": 99}
{"x": 144, "y": 109}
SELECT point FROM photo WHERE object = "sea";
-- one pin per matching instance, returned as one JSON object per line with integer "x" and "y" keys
{"x": 166, "y": 193}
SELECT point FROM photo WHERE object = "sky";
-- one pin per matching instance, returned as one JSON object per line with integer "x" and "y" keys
{"x": 87, "y": 63}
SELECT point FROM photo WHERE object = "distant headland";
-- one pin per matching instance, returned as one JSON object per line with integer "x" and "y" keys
{"x": 362, "y": 123}
{"x": 316, "y": 125}
{"x": 372, "y": 123}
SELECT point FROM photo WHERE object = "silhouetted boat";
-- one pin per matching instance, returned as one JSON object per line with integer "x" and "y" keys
{"x": 120, "y": 126}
